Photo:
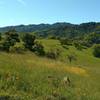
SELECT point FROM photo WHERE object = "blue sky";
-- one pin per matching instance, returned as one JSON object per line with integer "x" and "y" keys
{"x": 15, "y": 12}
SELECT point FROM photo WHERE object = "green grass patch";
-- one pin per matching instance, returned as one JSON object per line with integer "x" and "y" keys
{"x": 30, "y": 77}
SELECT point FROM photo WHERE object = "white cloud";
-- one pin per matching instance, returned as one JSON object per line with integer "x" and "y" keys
{"x": 22, "y": 2}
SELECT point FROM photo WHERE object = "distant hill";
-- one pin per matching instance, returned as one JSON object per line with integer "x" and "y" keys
{"x": 25, "y": 28}
{"x": 56, "y": 29}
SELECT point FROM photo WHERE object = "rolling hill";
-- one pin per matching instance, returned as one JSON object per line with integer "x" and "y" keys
{"x": 56, "y": 29}
{"x": 26, "y": 75}
{"x": 30, "y": 77}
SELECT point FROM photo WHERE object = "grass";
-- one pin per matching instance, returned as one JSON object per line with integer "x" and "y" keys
{"x": 29, "y": 77}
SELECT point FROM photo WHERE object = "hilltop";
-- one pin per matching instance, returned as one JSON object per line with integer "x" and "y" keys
{"x": 56, "y": 29}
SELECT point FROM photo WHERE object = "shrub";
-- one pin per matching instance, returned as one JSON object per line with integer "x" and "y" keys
{"x": 92, "y": 38}
{"x": 28, "y": 40}
{"x": 96, "y": 50}
{"x": 66, "y": 41}
{"x": 0, "y": 36}
{"x": 1, "y": 46}
{"x": 53, "y": 54}
{"x": 38, "y": 49}
{"x": 17, "y": 48}
{"x": 78, "y": 46}
{"x": 6, "y": 46}
{"x": 71, "y": 57}
{"x": 10, "y": 39}
{"x": 65, "y": 47}
{"x": 51, "y": 37}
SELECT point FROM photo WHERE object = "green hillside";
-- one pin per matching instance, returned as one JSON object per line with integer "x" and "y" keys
{"x": 31, "y": 77}
{"x": 56, "y": 30}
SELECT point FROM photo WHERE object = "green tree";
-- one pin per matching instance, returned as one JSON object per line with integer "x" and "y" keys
{"x": 29, "y": 40}
{"x": 66, "y": 41}
{"x": 96, "y": 50}
{"x": 17, "y": 48}
{"x": 93, "y": 38}
{"x": 39, "y": 49}
{"x": 12, "y": 35}
{"x": 0, "y": 36}
{"x": 10, "y": 38}
{"x": 6, "y": 46}
{"x": 78, "y": 45}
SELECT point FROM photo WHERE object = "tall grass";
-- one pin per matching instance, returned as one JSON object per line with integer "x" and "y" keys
{"x": 29, "y": 77}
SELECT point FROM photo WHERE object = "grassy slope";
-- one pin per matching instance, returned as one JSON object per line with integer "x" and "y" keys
{"x": 26, "y": 76}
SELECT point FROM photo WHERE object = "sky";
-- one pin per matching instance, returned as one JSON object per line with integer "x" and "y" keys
{"x": 15, "y": 12}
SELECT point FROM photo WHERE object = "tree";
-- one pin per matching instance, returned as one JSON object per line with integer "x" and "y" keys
{"x": 38, "y": 49}
{"x": 66, "y": 41}
{"x": 29, "y": 40}
{"x": 12, "y": 35}
{"x": 0, "y": 36}
{"x": 10, "y": 38}
{"x": 96, "y": 50}
{"x": 93, "y": 38}
{"x": 17, "y": 48}
{"x": 78, "y": 45}
{"x": 6, "y": 46}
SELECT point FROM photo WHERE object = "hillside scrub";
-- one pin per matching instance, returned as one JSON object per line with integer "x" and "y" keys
{"x": 96, "y": 50}
{"x": 31, "y": 77}
{"x": 53, "y": 54}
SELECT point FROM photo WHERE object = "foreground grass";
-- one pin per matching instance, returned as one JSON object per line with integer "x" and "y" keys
{"x": 29, "y": 77}
{"x": 26, "y": 77}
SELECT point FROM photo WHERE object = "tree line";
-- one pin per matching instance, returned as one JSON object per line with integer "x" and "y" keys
{"x": 11, "y": 41}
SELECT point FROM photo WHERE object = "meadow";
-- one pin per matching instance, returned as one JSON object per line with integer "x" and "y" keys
{"x": 31, "y": 77}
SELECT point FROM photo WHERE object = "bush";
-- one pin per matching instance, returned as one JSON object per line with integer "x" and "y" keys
{"x": 38, "y": 49}
{"x": 51, "y": 37}
{"x": 92, "y": 38}
{"x": 53, "y": 54}
{"x": 0, "y": 36}
{"x": 65, "y": 46}
{"x": 1, "y": 46}
{"x": 10, "y": 39}
{"x": 29, "y": 40}
{"x": 66, "y": 41}
{"x": 71, "y": 57}
{"x": 6, "y": 45}
{"x": 17, "y": 48}
{"x": 96, "y": 50}
{"x": 78, "y": 46}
